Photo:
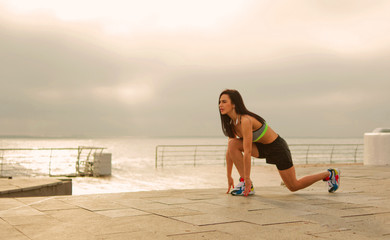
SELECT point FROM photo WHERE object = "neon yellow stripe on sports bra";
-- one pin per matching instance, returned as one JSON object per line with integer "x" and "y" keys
{"x": 259, "y": 133}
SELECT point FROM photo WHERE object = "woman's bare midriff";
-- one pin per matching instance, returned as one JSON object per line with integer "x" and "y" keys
{"x": 269, "y": 136}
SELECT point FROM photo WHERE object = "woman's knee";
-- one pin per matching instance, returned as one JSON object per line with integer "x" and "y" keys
{"x": 234, "y": 145}
{"x": 292, "y": 186}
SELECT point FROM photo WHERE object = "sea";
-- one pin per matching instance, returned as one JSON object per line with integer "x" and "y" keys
{"x": 133, "y": 162}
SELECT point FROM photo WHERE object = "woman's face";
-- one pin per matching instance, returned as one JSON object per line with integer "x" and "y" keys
{"x": 225, "y": 104}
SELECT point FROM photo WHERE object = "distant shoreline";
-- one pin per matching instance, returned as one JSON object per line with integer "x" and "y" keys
{"x": 145, "y": 137}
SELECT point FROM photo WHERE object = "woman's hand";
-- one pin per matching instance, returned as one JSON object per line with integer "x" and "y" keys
{"x": 230, "y": 183}
{"x": 248, "y": 186}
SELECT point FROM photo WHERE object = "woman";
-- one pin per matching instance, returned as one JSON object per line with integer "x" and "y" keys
{"x": 249, "y": 134}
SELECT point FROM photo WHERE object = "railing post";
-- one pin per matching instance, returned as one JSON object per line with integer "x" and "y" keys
{"x": 162, "y": 156}
{"x": 51, "y": 153}
{"x": 307, "y": 154}
{"x": 196, "y": 148}
{"x": 357, "y": 146}
{"x": 224, "y": 162}
{"x": 79, "y": 149}
{"x": 331, "y": 155}
{"x": 2, "y": 162}
{"x": 155, "y": 161}
{"x": 88, "y": 167}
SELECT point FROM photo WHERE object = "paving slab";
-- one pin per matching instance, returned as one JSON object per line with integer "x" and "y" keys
{"x": 141, "y": 235}
{"x": 206, "y": 219}
{"x": 175, "y": 212}
{"x": 144, "y": 205}
{"x": 7, "y": 204}
{"x": 213, "y": 234}
{"x": 23, "y": 220}
{"x": 125, "y": 212}
{"x": 51, "y": 204}
{"x": 202, "y": 207}
{"x": 24, "y": 211}
{"x": 358, "y": 210}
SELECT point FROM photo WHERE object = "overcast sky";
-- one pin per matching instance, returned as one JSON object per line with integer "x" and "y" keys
{"x": 156, "y": 68}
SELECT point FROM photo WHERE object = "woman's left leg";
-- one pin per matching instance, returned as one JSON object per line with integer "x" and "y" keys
{"x": 293, "y": 184}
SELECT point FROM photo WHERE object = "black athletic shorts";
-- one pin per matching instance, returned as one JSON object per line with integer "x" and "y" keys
{"x": 276, "y": 153}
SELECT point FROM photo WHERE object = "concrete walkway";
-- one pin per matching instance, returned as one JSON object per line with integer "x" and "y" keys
{"x": 359, "y": 210}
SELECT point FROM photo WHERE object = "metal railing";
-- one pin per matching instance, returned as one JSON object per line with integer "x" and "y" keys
{"x": 47, "y": 161}
{"x": 169, "y": 155}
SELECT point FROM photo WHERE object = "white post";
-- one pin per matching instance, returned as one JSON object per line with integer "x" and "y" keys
{"x": 377, "y": 148}
{"x": 102, "y": 164}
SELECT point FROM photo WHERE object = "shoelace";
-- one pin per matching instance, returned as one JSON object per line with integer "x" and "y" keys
{"x": 239, "y": 186}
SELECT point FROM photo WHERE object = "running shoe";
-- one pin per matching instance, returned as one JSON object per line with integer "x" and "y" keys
{"x": 240, "y": 188}
{"x": 334, "y": 180}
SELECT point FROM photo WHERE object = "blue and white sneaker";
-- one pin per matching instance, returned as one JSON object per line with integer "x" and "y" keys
{"x": 240, "y": 188}
{"x": 334, "y": 180}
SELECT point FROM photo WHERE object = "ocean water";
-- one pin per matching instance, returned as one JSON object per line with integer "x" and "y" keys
{"x": 133, "y": 162}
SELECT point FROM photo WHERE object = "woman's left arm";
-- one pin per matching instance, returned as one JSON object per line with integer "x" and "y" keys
{"x": 246, "y": 128}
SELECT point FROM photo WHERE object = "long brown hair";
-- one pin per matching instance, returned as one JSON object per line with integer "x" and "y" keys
{"x": 236, "y": 99}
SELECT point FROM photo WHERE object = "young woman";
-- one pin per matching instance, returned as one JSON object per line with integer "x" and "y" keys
{"x": 250, "y": 135}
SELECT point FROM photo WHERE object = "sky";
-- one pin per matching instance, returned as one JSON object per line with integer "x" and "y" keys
{"x": 156, "y": 68}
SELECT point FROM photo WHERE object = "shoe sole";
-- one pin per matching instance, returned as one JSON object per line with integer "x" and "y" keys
{"x": 242, "y": 193}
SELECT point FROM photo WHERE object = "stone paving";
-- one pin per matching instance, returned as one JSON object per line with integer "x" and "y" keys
{"x": 359, "y": 210}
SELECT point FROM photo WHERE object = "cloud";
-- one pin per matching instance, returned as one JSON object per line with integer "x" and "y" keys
{"x": 309, "y": 68}
{"x": 129, "y": 94}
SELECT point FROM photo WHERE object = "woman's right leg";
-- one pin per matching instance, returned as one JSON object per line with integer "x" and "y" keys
{"x": 293, "y": 184}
